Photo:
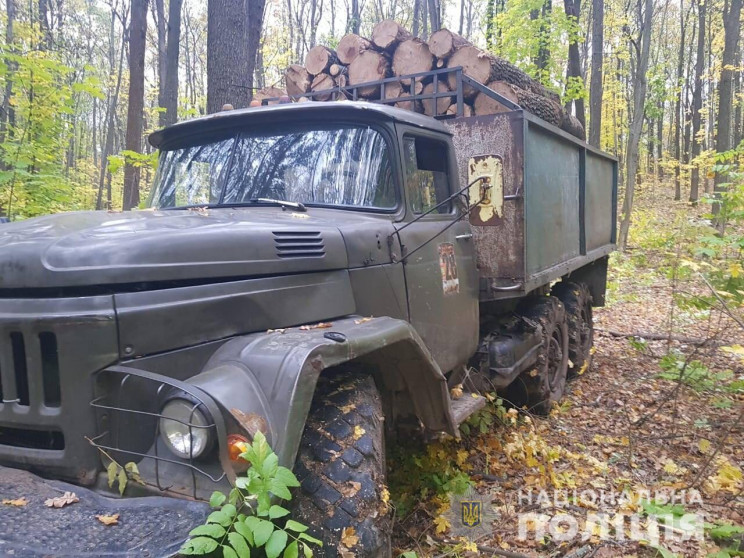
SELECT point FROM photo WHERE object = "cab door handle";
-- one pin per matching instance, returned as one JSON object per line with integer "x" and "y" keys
{"x": 464, "y": 236}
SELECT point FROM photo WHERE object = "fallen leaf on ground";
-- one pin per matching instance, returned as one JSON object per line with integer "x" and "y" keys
{"x": 349, "y": 537}
{"x": 108, "y": 519}
{"x": 358, "y": 432}
{"x": 456, "y": 392}
{"x": 18, "y": 502}
{"x": 62, "y": 501}
{"x": 362, "y": 320}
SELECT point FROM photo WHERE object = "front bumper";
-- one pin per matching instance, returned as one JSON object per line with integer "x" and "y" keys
{"x": 151, "y": 526}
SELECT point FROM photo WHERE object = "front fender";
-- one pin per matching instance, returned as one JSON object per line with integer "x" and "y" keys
{"x": 284, "y": 366}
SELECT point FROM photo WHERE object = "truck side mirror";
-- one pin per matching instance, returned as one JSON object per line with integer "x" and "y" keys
{"x": 486, "y": 192}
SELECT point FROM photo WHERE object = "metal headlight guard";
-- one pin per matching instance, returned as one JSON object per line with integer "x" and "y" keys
{"x": 132, "y": 406}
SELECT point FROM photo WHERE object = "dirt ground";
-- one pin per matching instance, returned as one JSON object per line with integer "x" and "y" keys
{"x": 638, "y": 427}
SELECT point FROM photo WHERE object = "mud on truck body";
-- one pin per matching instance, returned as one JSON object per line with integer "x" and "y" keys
{"x": 418, "y": 254}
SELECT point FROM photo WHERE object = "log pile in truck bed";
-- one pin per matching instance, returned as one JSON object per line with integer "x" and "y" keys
{"x": 392, "y": 52}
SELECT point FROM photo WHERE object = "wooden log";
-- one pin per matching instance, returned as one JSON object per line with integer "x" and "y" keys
{"x": 370, "y": 65}
{"x": 297, "y": 80}
{"x": 572, "y": 125}
{"x": 350, "y": 46}
{"x": 269, "y": 93}
{"x": 484, "y": 68}
{"x": 485, "y": 104}
{"x": 393, "y": 90}
{"x": 444, "y": 43}
{"x": 336, "y": 70}
{"x": 319, "y": 59}
{"x": 388, "y": 33}
{"x": 467, "y": 110}
{"x": 442, "y": 104}
{"x": 538, "y": 105}
{"x": 412, "y": 57}
{"x": 342, "y": 80}
{"x": 323, "y": 82}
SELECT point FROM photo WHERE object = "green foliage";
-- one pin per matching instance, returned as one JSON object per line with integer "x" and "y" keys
{"x": 692, "y": 373}
{"x": 246, "y": 519}
{"x": 34, "y": 147}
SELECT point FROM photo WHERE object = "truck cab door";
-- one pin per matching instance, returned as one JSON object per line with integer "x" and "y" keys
{"x": 437, "y": 250}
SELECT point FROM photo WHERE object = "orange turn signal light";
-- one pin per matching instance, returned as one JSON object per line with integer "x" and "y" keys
{"x": 236, "y": 444}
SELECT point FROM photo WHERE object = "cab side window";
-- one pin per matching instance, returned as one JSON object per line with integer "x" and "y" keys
{"x": 427, "y": 183}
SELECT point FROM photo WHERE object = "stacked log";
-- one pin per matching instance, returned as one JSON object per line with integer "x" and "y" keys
{"x": 392, "y": 51}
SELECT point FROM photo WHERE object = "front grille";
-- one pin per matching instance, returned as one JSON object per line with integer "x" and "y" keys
{"x": 15, "y": 383}
{"x": 299, "y": 244}
{"x": 49, "y": 350}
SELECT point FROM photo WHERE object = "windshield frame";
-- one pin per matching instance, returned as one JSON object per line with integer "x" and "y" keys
{"x": 387, "y": 133}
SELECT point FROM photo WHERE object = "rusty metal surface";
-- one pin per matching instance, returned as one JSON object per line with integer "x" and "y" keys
{"x": 500, "y": 243}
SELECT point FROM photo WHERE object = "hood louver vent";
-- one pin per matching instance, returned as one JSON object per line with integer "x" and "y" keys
{"x": 299, "y": 244}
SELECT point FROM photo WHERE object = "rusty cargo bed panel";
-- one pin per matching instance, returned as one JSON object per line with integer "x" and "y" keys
{"x": 559, "y": 201}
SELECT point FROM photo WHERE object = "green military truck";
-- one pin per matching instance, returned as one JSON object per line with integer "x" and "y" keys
{"x": 303, "y": 269}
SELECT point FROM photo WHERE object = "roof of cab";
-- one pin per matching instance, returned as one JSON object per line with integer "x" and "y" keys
{"x": 293, "y": 112}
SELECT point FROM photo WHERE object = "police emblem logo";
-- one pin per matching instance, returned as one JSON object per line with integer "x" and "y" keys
{"x": 471, "y": 513}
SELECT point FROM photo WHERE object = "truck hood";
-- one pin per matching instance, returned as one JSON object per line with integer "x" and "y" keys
{"x": 95, "y": 248}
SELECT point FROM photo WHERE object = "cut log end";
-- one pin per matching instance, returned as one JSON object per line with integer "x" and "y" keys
{"x": 412, "y": 57}
{"x": 319, "y": 59}
{"x": 369, "y": 66}
{"x": 388, "y": 33}
{"x": 297, "y": 80}
{"x": 444, "y": 43}
{"x": 350, "y": 46}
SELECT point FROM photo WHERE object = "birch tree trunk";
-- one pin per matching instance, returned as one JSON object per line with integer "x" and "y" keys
{"x": 641, "y": 51}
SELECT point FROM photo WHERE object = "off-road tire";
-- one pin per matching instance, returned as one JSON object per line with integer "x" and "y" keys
{"x": 545, "y": 382}
{"x": 341, "y": 468}
{"x": 577, "y": 300}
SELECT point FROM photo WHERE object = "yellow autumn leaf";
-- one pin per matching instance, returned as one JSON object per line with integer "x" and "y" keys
{"x": 456, "y": 392}
{"x": 17, "y": 502}
{"x": 349, "y": 537}
{"x": 671, "y": 467}
{"x": 108, "y": 519}
{"x": 704, "y": 445}
{"x": 358, "y": 432}
{"x": 442, "y": 524}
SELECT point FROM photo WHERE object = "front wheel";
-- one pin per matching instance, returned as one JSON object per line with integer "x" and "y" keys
{"x": 577, "y": 301}
{"x": 341, "y": 469}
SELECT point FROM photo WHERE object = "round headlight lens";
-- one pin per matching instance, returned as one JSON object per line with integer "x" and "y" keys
{"x": 183, "y": 428}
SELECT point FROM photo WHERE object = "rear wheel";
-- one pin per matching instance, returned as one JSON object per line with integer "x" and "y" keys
{"x": 577, "y": 301}
{"x": 341, "y": 468}
{"x": 544, "y": 383}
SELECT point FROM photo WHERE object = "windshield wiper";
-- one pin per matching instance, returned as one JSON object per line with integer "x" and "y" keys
{"x": 293, "y": 205}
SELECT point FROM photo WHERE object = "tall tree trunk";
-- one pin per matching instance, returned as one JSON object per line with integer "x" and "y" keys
{"x": 678, "y": 104}
{"x": 170, "y": 85}
{"x": 542, "y": 59}
{"x": 697, "y": 103}
{"x": 641, "y": 49}
{"x": 233, "y": 35}
{"x": 462, "y": 17}
{"x": 158, "y": 13}
{"x": 8, "y": 117}
{"x": 435, "y": 15}
{"x": 356, "y": 17}
{"x": 136, "y": 106}
{"x": 595, "y": 86}
{"x": 490, "y": 14}
{"x": 416, "y": 17}
{"x": 724, "y": 137}
{"x": 573, "y": 10}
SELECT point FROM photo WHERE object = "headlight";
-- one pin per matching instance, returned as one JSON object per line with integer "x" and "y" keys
{"x": 185, "y": 429}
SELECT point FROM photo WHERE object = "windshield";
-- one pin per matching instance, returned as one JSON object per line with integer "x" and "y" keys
{"x": 341, "y": 166}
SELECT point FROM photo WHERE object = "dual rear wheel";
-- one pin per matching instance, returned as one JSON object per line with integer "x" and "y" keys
{"x": 565, "y": 321}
